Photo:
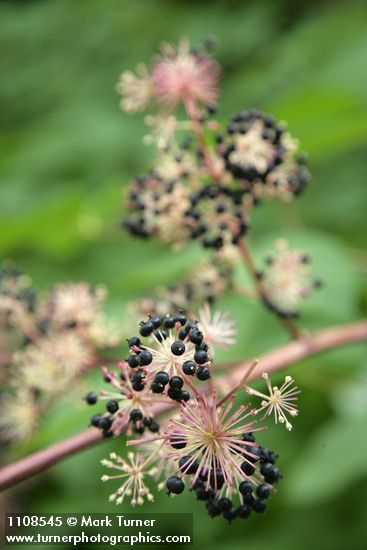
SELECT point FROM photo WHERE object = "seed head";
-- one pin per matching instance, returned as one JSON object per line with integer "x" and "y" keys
{"x": 218, "y": 328}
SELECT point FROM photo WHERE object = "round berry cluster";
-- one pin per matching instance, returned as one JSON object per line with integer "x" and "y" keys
{"x": 217, "y": 216}
{"x": 174, "y": 353}
{"x": 157, "y": 207}
{"x": 177, "y": 351}
{"x": 254, "y": 144}
{"x": 252, "y": 492}
{"x": 145, "y": 195}
{"x": 259, "y": 152}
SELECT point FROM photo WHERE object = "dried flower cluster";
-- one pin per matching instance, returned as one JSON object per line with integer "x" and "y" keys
{"x": 46, "y": 341}
{"x": 287, "y": 280}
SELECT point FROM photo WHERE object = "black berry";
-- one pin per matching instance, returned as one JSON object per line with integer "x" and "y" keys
{"x": 247, "y": 468}
{"x": 246, "y": 487}
{"x": 189, "y": 367}
{"x": 105, "y": 423}
{"x": 263, "y": 491}
{"x": 175, "y": 394}
{"x": 267, "y": 456}
{"x": 212, "y": 508}
{"x": 136, "y": 415}
{"x": 203, "y": 373}
{"x": 185, "y": 396}
{"x": 95, "y": 420}
{"x": 176, "y": 382}
{"x": 177, "y": 442}
{"x": 157, "y": 388}
{"x": 182, "y": 333}
{"x": 132, "y": 361}
{"x": 178, "y": 348}
{"x": 145, "y": 358}
{"x": 230, "y": 514}
{"x": 161, "y": 377}
{"x": 224, "y": 504}
{"x": 175, "y": 485}
{"x": 244, "y": 511}
{"x": 201, "y": 357}
{"x": 196, "y": 336}
{"x": 154, "y": 427}
{"x": 156, "y": 322}
{"x": 271, "y": 473}
{"x": 91, "y": 398}
{"x": 180, "y": 318}
{"x": 134, "y": 341}
{"x": 168, "y": 322}
{"x": 146, "y": 328}
{"x": 187, "y": 465}
{"x": 112, "y": 406}
{"x": 202, "y": 493}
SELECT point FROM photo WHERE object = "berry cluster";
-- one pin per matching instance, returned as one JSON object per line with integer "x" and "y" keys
{"x": 157, "y": 204}
{"x": 175, "y": 353}
{"x": 252, "y": 492}
{"x": 217, "y": 216}
{"x": 178, "y": 351}
{"x": 204, "y": 188}
{"x": 259, "y": 153}
{"x": 130, "y": 406}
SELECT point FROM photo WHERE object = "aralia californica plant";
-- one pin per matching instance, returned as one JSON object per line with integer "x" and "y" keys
{"x": 204, "y": 183}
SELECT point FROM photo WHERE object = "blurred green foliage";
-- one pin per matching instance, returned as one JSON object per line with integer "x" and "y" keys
{"x": 65, "y": 152}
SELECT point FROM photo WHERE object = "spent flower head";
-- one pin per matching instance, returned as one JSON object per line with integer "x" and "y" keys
{"x": 19, "y": 414}
{"x": 282, "y": 402}
{"x": 218, "y": 327}
{"x": 133, "y": 474}
{"x": 181, "y": 74}
{"x": 74, "y": 303}
{"x": 287, "y": 279}
{"x": 51, "y": 362}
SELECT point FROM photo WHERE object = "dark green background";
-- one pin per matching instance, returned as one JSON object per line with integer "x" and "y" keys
{"x": 66, "y": 151}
